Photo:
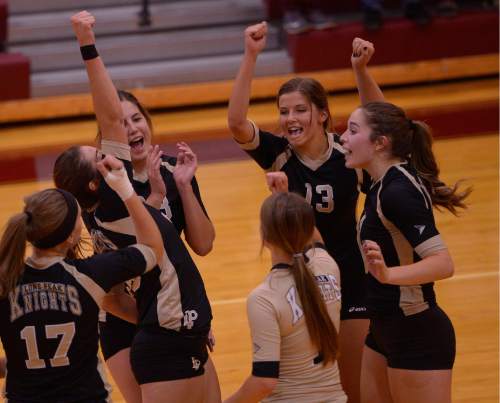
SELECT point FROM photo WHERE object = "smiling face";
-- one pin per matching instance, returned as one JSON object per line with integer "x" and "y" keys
{"x": 356, "y": 140}
{"x": 138, "y": 131}
{"x": 300, "y": 120}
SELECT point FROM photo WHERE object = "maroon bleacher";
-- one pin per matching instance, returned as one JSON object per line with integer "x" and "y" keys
{"x": 398, "y": 41}
{"x": 274, "y": 9}
{"x": 3, "y": 22}
{"x": 14, "y": 67}
{"x": 14, "y": 76}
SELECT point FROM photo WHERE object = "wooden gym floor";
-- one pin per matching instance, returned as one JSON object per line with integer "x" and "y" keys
{"x": 233, "y": 192}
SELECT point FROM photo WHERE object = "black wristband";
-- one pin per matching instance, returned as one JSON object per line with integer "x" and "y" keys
{"x": 89, "y": 52}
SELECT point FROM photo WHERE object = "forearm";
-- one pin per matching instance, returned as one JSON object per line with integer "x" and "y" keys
{"x": 199, "y": 230}
{"x": 120, "y": 304}
{"x": 253, "y": 390}
{"x": 368, "y": 89}
{"x": 3, "y": 367}
{"x": 155, "y": 200}
{"x": 107, "y": 106}
{"x": 147, "y": 231}
{"x": 240, "y": 99}
{"x": 432, "y": 268}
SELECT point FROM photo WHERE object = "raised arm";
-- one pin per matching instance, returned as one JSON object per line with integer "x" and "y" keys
{"x": 146, "y": 230}
{"x": 199, "y": 230}
{"x": 240, "y": 127}
{"x": 368, "y": 89}
{"x": 107, "y": 107}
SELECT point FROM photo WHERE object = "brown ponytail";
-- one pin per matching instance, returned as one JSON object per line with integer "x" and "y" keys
{"x": 12, "y": 251}
{"x": 423, "y": 161}
{"x": 44, "y": 211}
{"x": 412, "y": 140}
{"x": 287, "y": 221}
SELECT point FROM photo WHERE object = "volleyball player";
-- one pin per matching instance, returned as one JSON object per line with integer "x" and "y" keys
{"x": 49, "y": 304}
{"x": 410, "y": 348}
{"x": 164, "y": 187}
{"x": 313, "y": 161}
{"x": 294, "y": 313}
{"x": 168, "y": 353}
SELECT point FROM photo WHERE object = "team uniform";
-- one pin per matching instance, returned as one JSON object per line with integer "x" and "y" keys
{"x": 48, "y": 325}
{"x": 174, "y": 311}
{"x": 406, "y": 325}
{"x": 282, "y": 347}
{"x": 115, "y": 333}
{"x": 332, "y": 190}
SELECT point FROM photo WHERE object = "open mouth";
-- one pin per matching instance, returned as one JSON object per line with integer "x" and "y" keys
{"x": 295, "y": 131}
{"x": 136, "y": 144}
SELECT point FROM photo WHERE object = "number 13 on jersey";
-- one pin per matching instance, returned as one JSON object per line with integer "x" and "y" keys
{"x": 326, "y": 193}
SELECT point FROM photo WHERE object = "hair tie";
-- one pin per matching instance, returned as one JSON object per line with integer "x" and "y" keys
{"x": 298, "y": 255}
{"x": 412, "y": 124}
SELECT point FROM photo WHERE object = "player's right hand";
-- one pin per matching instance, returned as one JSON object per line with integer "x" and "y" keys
{"x": 255, "y": 38}
{"x": 277, "y": 182}
{"x": 83, "y": 26}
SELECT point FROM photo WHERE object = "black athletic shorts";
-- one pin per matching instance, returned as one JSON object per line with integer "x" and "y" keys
{"x": 165, "y": 355}
{"x": 424, "y": 341}
{"x": 352, "y": 283}
{"x": 115, "y": 335}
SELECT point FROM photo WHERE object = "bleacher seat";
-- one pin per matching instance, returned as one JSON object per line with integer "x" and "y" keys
{"x": 15, "y": 76}
{"x": 398, "y": 41}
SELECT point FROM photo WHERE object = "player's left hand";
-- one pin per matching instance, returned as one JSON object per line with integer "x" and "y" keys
{"x": 154, "y": 175}
{"x": 186, "y": 165}
{"x": 375, "y": 261}
{"x": 362, "y": 52}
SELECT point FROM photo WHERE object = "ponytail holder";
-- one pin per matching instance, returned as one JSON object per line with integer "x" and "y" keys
{"x": 412, "y": 124}
{"x": 29, "y": 217}
{"x": 298, "y": 255}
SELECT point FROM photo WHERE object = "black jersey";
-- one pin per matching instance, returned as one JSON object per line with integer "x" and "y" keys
{"x": 398, "y": 216}
{"x": 330, "y": 188}
{"x": 172, "y": 295}
{"x": 171, "y": 206}
{"x": 48, "y": 325}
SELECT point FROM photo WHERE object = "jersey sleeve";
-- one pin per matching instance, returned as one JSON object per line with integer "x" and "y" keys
{"x": 265, "y": 333}
{"x": 112, "y": 268}
{"x": 408, "y": 207}
{"x": 264, "y": 147}
{"x": 196, "y": 191}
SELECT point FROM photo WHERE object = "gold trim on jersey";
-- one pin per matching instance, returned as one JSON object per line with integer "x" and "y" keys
{"x": 118, "y": 150}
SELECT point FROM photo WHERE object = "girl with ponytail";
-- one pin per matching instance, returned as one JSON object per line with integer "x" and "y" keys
{"x": 49, "y": 302}
{"x": 294, "y": 313}
{"x": 411, "y": 341}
